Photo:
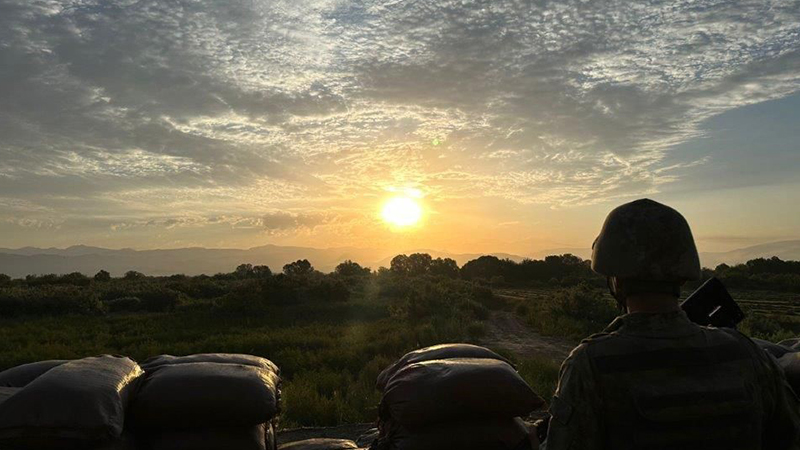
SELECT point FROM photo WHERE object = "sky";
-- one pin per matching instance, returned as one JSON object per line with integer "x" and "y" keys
{"x": 516, "y": 125}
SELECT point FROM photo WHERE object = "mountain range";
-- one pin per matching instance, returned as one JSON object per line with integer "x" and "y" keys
{"x": 197, "y": 260}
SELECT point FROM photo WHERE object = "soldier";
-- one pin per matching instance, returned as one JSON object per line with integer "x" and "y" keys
{"x": 653, "y": 379}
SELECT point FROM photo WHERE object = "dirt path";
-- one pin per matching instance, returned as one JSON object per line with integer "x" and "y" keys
{"x": 507, "y": 331}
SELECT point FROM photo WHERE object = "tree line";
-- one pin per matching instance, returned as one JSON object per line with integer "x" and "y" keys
{"x": 557, "y": 270}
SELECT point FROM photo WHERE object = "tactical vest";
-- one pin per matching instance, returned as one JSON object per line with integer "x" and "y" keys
{"x": 696, "y": 392}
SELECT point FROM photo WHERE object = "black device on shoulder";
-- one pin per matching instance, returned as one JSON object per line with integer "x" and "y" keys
{"x": 712, "y": 304}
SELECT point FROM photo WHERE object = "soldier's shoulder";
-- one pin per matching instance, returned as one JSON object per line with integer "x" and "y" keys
{"x": 580, "y": 353}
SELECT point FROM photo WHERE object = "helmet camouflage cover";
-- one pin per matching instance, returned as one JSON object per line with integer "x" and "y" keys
{"x": 646, "y": 240}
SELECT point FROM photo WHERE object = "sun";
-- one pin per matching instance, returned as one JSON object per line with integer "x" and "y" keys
{"x": 401, "y": 212}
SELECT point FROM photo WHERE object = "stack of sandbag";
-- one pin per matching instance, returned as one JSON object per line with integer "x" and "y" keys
{"x": 790, "y": 363}
{"x": 320, "y": 444}
{"x": 776, "y": 350}
{"x": 78, "y": 404}
{"x": 21, "y": 376}
{"x": 454, "y": 396}
{"x": 207, "y": 401}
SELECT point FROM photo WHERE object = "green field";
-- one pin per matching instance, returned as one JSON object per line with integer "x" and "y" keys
{"x": 330, "y": 352}
{"x": 331, "y": 335}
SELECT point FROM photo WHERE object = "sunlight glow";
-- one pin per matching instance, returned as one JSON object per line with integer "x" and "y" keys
{"x": 401, "y": 211}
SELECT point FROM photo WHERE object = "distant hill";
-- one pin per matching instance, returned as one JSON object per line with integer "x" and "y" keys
{"x": 194, "y": 261}
{"x": 786, "y": 250}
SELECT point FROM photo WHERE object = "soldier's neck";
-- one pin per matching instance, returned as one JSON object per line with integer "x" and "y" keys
{"x": 651, "y": 303}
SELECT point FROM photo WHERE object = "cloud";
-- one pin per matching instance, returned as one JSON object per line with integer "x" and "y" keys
{"x": 209, "y": 109}
{"x": 284, "y": 221}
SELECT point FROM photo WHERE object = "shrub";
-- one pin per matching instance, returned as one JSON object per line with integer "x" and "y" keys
{"x": 126, "y": 304}
{"x": 102, "y": 276}
{"x": 328, "y": 289}
{"x": 574, "y": 312}
{"x": 48, "y": 301}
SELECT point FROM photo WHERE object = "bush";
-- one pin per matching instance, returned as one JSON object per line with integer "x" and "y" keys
{"x": 102, "y": 276}
{"x": 328, "y": 289}
{"x": 126, "y": 304}
{"x": 574, "y": 312}
{"x": 48, "y": 301}
{"x": 153, "y": 296}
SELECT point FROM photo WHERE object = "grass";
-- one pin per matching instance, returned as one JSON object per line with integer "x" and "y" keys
{"x": 329, "y": 353}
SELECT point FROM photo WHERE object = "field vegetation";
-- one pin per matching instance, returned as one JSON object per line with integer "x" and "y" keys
{"x": 331, "y": 334}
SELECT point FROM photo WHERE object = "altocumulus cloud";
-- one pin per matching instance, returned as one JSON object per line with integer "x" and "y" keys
{"x": 147, "y": 109}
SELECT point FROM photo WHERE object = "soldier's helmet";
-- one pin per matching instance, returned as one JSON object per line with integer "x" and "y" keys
{"x": 646, "y": 240}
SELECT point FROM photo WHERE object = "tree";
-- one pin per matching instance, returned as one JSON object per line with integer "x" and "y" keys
{"x": 444, "y": 267}
{"x": 414, "y": 264}
{"x": 75, "y": 279}
{"x": 419, "y": 263}
{"x": 244, "y": 271}
{"x": 400, "y": 265}
{"x": 4, "y": 279}
{"x": 133, "y": 275}
{"x": 262, "y": 271}
{"x": 102, "y": 276}
{"x": 484, "y": 267}
{"x": 351, "y": 269}
{"x": 298, "y": 268}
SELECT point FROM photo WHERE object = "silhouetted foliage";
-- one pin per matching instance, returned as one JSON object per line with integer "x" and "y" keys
{"x": 5, "y": 280}
{"x": 444, "y": 267}
{"x": 74, "y": 279}
{"x": 562, "y": 270}
{"x": 102, "y": 276}
{"x": 575, "y": 312}
{"x": 50, "y": 300}
{"x": 126, "y": 304}
{"x": 351, "y": 269}
{"x": 761, "y": 273}
{"x": 418, "y": 264}
{"x": 245, "y": 271}
{"x": 299, "y": 268}
{"x": 133, "y": 275}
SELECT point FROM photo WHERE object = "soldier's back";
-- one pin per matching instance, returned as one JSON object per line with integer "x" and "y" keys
{"x": 660, "y": 381}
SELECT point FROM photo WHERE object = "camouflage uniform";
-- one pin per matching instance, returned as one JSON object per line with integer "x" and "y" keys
{"x": 659, "y": 381}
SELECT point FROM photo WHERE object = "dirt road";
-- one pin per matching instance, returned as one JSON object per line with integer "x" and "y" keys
{"x": 507, "y": 331}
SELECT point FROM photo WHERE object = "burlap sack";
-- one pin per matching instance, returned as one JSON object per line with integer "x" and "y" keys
{"x": 443, "y": 351}
{"x": 20, "y": 376}
{"x": 201, "y": 394}
{"x": 432, "y": 392}
{"x": 76, "y": 404}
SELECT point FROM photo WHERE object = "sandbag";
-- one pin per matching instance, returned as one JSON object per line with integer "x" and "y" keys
{"x": 20, "y": 376}
{"x": 443, "y": 351}
{"x": 776, "y": 350}
{"x": 6, "y": 392}
{"x": 253, "y": 437}
{"x": 319, "y": 444}
{"x": 125, "y": 442}
{"x": 222, "y": 358}
{"x": 71, "y": 405}
{"x": 793, "y": 343}
{"x": 368, "y": 437}
{"x": 205, "y": 394}
{"x": 790, "y": 363}
{"x": 445, "y": 390}
{"x": 496, "y": 434}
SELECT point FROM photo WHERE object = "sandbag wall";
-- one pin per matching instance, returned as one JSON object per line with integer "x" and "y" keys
{"x": 787, "y": 354}
{"x": 64, "y": 405}
{"x": 207, "y": 401}
{"x": 454, "y": 396}
{"x": 197, "y": 402}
